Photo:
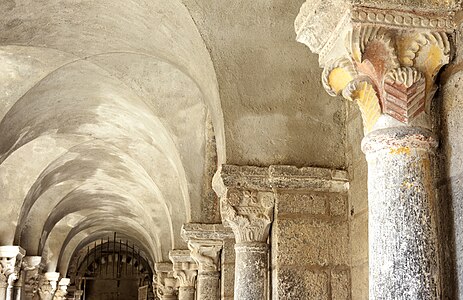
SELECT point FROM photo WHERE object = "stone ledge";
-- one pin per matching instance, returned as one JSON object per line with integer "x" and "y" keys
{"x": 279, "y": 177}
{"x": 199, "y": 231}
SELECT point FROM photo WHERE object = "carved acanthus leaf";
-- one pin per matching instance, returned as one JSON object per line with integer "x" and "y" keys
{"x": 364, "y": 94}
{"x": 186, "y": 277}
{"x": 364, "y": 42}
{"x": 249, "y": 214}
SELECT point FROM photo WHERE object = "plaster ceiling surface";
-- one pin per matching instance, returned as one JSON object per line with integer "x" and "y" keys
{"x": 103, "y": 120}
{"x": 106, "y": 110}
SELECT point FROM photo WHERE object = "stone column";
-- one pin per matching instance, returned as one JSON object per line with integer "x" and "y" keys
{"x": 61, "y": 292}
{"x": 185, "y": 270}
{"x": 78, "y": 294}
{"x": 166, "y": 285}
{"x": 387, "y": 61}
{"x": 31, "y": 268}
{"x": 47, "y": 285}
{"x": 205, "y": 242}
{"x": 18, "y": 286}
{"x": 10, "y": 262}
{"x": 247, "y": 201}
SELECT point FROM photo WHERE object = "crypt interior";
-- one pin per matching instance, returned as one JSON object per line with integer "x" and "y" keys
{"x": 219, "y": 150}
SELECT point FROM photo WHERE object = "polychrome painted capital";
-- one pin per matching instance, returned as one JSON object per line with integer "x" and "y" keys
{"x": 385, "y": 60}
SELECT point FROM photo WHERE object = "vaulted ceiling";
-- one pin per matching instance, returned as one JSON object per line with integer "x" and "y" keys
{"x": 111, "y": 115}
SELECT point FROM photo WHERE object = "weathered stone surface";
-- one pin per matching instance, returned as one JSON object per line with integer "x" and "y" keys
{"x": 227, "y": 278}
{"x": 359, "y": 239}
{"x": 316, "y": 218}
{"x": 200, "y": 231}
{"x": 325, "y": 242}
{"x": 340, "y": 284}
{"x": 450, "y": 161}
{"x": 402, "y": 214}
{"x": 307, "y": 204}
{"x": 251, "y": 270}
{"x": 302, "y": 283}
{"x": 359, "y": 279}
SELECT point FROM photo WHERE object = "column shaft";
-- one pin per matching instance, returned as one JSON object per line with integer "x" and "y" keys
{"x": 251, "y": 267}
{"x": 186, "y": 293}
{"x": 208, "y": 285}
{"x": 3, "y": 287}
{"x": 402, "y": 227}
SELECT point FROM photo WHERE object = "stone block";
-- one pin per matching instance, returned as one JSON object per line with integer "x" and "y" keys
{"x": 359, "y": 275}
{"x": 358, "y": 192}
{"x": 340, "y": 284}
{"x": 302, "y": 242}
{"x": 228, "y": 251}
{"x": 359, "y": 239}
{"x": 338, "y": 205}
{"x": 301, "y": 284}
{"x": 228, "y": 280}
{"x": 302, "y": 203}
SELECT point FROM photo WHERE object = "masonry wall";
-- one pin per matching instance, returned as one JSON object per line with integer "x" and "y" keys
{"x": 358, "y": 203}
{"x": 310, "y": 245}
{"x": 449, "y": 120}
{"x": 227, "y": 278}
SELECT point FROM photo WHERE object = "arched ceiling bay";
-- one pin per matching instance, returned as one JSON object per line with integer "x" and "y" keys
{"x": 103, "y": 124}
{"x": 275, "y": 108}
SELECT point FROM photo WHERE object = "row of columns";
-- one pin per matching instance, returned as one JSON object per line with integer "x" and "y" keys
{"x": 247, "y": 202}
{"x": 21, "y": 277}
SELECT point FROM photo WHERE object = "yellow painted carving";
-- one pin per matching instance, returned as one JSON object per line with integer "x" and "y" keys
{"x": 338, "y": 79}
{"x": 368, "y": 103}
{"x": 432, "y": 64}
{"x": 400, "y": 150}
{"x": 407, "y": 47}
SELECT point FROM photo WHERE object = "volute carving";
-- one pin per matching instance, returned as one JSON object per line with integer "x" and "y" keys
{"x": 206, "y": 254}
{"x": 249, "y": 214}
{"x": 185, "y": 269}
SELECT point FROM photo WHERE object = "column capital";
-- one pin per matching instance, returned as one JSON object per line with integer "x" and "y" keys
{"x": 78, "y": 294}
{"x": 47, "y": 284}
{"x": 166, "y": 284}
{"x": 385, "y": 56}
{"x": 184, "y": 266}
{"x": 206, "y": 254}
{"x": 31, "y": 266}
{"x": 205, "y": 242}
{"x": 61, "y": 292}
{"x": 10, "y": 264}
{"x": 247, "y": 200}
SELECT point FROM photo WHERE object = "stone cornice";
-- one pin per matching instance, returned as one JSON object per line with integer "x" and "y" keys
{"x": 278, "y": 177}
{"x": 199, "y": 231}
{"x": 180, "y": 256}
{"x": 247, "y": 194}
{"x": 163, "y": 267}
